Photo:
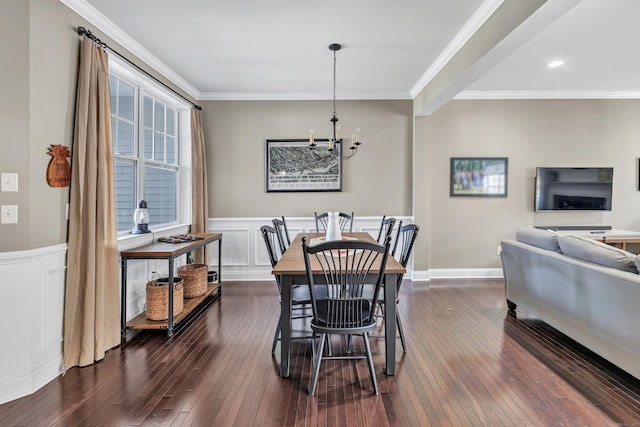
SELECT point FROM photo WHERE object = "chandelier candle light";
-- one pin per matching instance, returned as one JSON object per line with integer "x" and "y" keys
{"x": 336, "y": 139}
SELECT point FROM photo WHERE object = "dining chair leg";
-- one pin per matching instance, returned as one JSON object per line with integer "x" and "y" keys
{"x": 381, "y": 312}
{"x": 276, "y": 337}
{"x": 316, "y": 366}
{"x": 349, "y": 341}
{"x": 313, "y": 345}
{"x": 401, "y": 332}
{"x": 372, "y": 370}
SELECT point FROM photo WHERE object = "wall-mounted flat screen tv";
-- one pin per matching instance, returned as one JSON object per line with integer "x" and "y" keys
{"x": 573, "y": 189}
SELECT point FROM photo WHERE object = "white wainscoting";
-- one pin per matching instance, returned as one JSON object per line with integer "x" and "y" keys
{"x": 244, "y": 256}
{"x": 31, "y": 306}
{"x": 33, "y": 283}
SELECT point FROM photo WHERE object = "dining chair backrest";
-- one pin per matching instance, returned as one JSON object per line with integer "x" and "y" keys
{"x": 345, "y": 221}
{"x": 283, "y": 233}
{"x": 386, "y": 228}
{"x": 270, "y": 236}
{"x": 395, "y": 243}
{"x": 344, "y": 269}
{"x": 272, "y": 244}
{"x": 405, "y": 239}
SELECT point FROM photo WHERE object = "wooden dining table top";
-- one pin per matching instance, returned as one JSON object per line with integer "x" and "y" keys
{"x": 292, "y": 261}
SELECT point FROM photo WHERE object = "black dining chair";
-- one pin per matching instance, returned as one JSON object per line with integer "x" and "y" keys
{"x": 345, "y": 221}
{"x": 344, "y": 268}
{"x": 395, "y": 243}
{"x": 386, "y": 228}
{"x": 283, "y": 233}
{"x": 405, "y": 238}
{"x": 301, "y": 300}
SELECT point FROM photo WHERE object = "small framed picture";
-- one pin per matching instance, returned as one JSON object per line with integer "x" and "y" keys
{"x": 291, "y": 165}
{"x": 478, "y": 177}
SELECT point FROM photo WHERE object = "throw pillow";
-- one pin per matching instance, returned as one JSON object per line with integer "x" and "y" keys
{"x": 597, "y": 252}
{"x": 545, "y": 239}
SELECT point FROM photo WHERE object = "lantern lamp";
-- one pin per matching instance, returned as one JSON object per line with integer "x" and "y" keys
{"x": 141, "y": 219}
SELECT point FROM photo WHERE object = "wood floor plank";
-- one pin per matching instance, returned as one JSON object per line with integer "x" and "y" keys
{"x": 468, "y": 363}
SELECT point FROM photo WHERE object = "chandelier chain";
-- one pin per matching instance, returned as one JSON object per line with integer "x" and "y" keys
{"x": 334, "y": 83}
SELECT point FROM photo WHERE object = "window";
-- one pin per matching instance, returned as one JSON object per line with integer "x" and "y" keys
{"x": 150, "y": 148}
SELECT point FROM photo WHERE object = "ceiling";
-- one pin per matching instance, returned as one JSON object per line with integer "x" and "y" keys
{"x": 254, "y": 49}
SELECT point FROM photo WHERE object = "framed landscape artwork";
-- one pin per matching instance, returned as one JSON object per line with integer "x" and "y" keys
{"x": 478, "y": 177}
{"x": 292, "y": 166}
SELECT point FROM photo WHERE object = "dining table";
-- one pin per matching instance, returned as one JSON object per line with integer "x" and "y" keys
{"x": 292, "y": 271}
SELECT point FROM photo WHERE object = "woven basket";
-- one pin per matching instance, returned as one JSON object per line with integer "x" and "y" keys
{"x": 194, "y": 277}
{"x": 158, "y": 298}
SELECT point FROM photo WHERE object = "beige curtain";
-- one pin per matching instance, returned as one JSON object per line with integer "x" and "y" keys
{"x": 92, "y": 308}
{"x": 200, "y": 210}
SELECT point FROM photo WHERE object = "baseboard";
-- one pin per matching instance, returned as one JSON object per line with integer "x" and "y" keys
{"x": 247, "y": 276}
{"x": 465, "y": 273}
{"x": 419, "y": 276}
{"x": 25, "y": 385}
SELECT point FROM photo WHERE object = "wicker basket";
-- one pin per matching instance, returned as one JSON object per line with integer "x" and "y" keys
{"x": 194, "y": 277}
{"x": 158, "y": 298}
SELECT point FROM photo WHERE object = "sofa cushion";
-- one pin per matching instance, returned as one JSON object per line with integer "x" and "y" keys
{"x": 597, "y": 252}
{"x": 545, "y": 239}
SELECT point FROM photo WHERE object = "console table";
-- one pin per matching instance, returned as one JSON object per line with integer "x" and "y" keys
{"x": 168, "y": 251}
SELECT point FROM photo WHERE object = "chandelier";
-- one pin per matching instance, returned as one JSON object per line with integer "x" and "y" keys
{"x": 335, "y": 141}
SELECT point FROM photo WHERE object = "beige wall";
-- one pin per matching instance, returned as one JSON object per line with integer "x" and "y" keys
{"x": 39, "y": 54}
{"x": 464, "y": 232}
{"x": 14, "y": 116}
{"x": 52, "y": 72}
{"x": 376, "y": 181}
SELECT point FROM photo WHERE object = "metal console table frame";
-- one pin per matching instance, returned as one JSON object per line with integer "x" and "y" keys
{"x": 168, "y": 251}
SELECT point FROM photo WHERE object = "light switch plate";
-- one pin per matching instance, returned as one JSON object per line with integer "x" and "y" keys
{"x": 9, "y": 181}
{"x": 9, "y": 214}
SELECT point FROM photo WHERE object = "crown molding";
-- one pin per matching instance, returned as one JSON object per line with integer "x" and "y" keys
{"x": 91, "y": 14}
{"x": 480, "y": 17}
{"x": 299, "y": 96}
{"x": 546, "y": 95}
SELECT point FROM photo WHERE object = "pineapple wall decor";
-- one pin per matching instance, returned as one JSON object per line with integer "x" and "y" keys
{"x": 58, "y": 170}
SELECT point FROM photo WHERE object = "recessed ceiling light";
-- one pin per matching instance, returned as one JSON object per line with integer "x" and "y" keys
{"x": 555, "y": 64}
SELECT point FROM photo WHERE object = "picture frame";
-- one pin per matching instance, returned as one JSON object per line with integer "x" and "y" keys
{"x": 478, "y": 177}
{"x": 292, "y": 166}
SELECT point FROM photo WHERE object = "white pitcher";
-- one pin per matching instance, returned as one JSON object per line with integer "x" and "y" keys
{"x": 333, "y": 227}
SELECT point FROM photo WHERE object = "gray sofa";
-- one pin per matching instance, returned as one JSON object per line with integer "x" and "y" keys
{"x": 588, "y": 290}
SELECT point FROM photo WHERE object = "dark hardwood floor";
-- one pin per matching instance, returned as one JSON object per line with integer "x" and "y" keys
{"x": 468, "y": 363}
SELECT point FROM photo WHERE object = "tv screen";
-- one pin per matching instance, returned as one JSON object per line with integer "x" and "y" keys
{"x": 572, "y": 189}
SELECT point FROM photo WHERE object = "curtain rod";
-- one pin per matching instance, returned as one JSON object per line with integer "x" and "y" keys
{"x": 84, "y": 32}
